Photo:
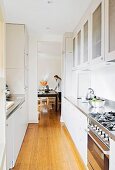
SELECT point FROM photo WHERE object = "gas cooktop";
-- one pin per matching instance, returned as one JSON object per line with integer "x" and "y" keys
{"x": 106, "y": 119}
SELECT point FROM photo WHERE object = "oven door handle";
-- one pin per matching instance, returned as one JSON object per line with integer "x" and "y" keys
{"x": 105, "y": 152}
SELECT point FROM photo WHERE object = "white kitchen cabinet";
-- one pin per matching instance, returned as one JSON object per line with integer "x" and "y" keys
{"x": 1, "y": 48}
{"x": 16, "y": 80}
{"x": 2, "y": 95}
{"x": 15, "y": 45}
{"x": 76, "y": 123}
{"x": 79, "y": 123}
{"x": 77, "y": 49}
{"x": 81, "y": 43}
{"x": 97, "y": 31}
{"x": 68, "y": 45}
{"x": 86, "y": 43}
{"x": 78, "y": 56}
{"x": 109, "y": 30}
{"x": 20, "y": 125}
{"x": 68, "y": 59}
{"x": 68, "y": 71}
{"x": 74, "y": 84}
{"x": 9, "y": 142}
{"x": 16, "y": 126}
{"x": 83, "y": 137}
{"x": 17, "y": 58}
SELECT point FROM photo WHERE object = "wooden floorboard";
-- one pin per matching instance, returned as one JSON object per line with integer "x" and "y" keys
{"x": 47, "y": 146}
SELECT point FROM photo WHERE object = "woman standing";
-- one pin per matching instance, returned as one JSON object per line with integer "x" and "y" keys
{"x": 58, "y": 86}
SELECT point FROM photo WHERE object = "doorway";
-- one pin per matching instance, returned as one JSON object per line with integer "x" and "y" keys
{"x": 48, "y": 64}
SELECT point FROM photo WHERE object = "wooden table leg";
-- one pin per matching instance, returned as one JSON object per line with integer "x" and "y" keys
{"x": 56, "y": 102}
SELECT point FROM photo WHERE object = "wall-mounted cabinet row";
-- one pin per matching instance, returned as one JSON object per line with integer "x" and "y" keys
{"x": 94, "y": 38}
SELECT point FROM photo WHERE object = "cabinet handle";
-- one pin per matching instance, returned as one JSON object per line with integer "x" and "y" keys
{"x": 7, "y": 125}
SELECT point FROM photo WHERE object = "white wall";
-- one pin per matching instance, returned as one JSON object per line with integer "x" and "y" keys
{"x": 49, "y": 62}
{"x": 103, "y": 82}
{"x": 33, "y": 82}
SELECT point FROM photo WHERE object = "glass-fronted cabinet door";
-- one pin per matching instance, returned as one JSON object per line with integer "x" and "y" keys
{"x": 78, "y": 56}
{"x": 77, "y": 50}
{"x": 97, "y": 25}
{"x": 110, "y": 30}
{"x": 74, "y": 52}
{"x": 85, "y": 43}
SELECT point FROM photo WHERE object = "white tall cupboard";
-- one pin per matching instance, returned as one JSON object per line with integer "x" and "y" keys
{"x": 17, "y": 58}
{"x": 2, "y": 94}
{"x": 17, "y": 79}
{"x": 68, "y": 59}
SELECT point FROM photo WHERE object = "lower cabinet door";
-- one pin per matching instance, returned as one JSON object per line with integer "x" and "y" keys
{"x": 19, "y": 129}
{"x": 9, "y": 142}
{"x": 17, "y": 138}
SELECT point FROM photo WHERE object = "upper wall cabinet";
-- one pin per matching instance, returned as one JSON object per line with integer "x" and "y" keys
{"x": 110, "y": 30}
{"x": 85, "y": 43}
{"x": 68, "y": 45}
{"x": 97, "y": 31}
{"x": 77, "y": 49}
{"x": 68, "y": 59}
{"x": 15, "y": 45}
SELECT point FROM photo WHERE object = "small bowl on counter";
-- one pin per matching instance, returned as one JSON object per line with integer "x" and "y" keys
{"x": 97, "y": 103}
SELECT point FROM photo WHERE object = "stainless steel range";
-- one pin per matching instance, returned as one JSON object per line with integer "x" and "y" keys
{"x": 100, "y": 126}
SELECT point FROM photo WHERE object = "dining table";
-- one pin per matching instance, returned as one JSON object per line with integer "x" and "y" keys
{"x": 50, "y": 93}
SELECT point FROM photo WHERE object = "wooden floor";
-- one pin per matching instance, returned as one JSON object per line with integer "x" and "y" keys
{"x": 48, "y": 146}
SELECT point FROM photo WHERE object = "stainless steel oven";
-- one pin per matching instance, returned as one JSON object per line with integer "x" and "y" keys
{"x": 98, "y": 153}
{"x": 100, "y": 124}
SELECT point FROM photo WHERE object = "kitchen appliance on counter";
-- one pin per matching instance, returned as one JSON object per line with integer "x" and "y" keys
{"x": 90, "y": 94}
{"x": 99, "y": 127}
{"x": 8, "y": 94}
{"x": 97, "y": 102}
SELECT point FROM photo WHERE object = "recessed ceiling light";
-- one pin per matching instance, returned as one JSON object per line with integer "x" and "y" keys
{"x": 47, "y": 28}
{"x": 49, "y": 1}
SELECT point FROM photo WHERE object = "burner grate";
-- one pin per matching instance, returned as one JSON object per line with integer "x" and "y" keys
{"x": 107, "y": 119}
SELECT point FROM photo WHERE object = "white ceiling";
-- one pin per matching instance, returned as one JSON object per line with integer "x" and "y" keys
{"x": 42, "y": 17}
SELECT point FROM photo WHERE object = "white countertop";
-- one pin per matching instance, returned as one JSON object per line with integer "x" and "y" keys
{"x": 86, "y": 109}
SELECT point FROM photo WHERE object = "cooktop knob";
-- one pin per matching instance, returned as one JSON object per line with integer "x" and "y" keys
{"x": 102, "y": 132}
{"x": 97, "y": 128}
{"x": 106, "y": 135}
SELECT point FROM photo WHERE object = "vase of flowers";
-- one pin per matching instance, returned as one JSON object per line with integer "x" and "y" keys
{"x": 43, "y": 84}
